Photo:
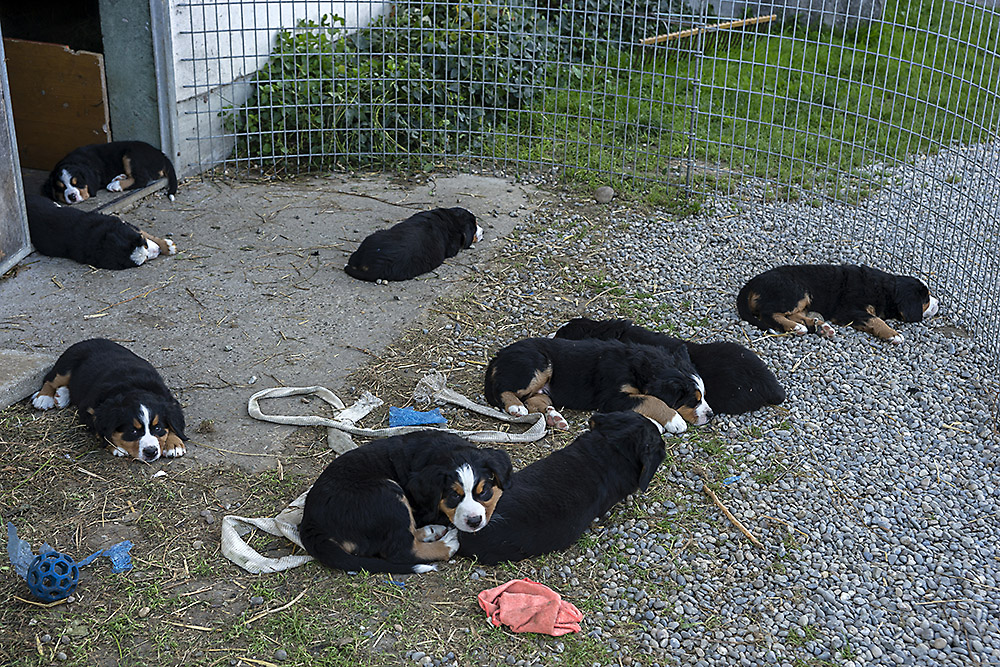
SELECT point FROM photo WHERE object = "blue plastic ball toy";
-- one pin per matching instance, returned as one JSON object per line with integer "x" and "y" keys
{"x": 52, "y": 576}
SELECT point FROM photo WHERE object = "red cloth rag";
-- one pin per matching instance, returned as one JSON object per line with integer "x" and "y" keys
{"x": 527, "y": 606}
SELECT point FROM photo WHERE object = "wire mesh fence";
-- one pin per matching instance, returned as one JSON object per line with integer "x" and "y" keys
{"x": 887, "y": 110}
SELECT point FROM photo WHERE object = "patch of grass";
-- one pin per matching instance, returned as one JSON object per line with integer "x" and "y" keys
{"x": 807, "y": 109}
{"x": 766, "y": 476}
{"x": 675, "y": 200}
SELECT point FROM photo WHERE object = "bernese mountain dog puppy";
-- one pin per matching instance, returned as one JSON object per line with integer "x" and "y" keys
{"x": 117, "y": 166}
{"x": 736, "y": 379}
{"x": 538, "y": 374}
{"x": 551, "y": 502}
{"x": 414, "y": 246}
{"x": 382, "y": 507}
{"x": 119, "y": 396}
{"x": 795, "y": 299}
{"x": 89, "y": 237}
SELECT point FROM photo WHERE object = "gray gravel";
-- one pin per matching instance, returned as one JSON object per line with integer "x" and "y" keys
{"x": 874, "y": 487}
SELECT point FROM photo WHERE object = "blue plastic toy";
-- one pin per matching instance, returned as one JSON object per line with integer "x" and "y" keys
{"x": 53, "y": 576}
{"x": 411, "y": 417}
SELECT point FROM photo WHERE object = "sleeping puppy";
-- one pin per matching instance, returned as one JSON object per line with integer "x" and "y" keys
{"x": 89, "y": 237}
{"x": 381, "y": 507}
{"x": 538, "y": 374}
{"x": 551, "y": 502}
{"x": 736, "y": 380}
{"x": 417, "y": 245}
{"x": 117, "y": 166}
{"x": 119, "y": 396}
{"x": 858, "y": 296}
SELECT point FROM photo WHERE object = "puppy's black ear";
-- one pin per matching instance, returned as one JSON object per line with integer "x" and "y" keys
{"x": 652, "y": 453}
{"x": 427, "y": 488}
{"x": 47, "y": 189}
{"x": 910, "y": 295}
{"x": 175, "y": 418}
{"x": 671, "y": 388}
{"x": 499, "y": 464}
{"x": 109, "y": 415}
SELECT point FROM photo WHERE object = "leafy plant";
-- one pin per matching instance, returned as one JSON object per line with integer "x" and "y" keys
{"x": 425, "y": 78}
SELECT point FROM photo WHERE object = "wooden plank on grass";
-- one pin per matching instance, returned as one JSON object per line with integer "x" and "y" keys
{"x": 59, "y": 100}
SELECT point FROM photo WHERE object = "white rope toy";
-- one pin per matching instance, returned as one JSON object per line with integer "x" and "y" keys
{"x": 430, "y": 389}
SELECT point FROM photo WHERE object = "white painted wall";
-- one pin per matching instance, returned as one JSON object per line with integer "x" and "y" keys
{"x": 217, "y": 47}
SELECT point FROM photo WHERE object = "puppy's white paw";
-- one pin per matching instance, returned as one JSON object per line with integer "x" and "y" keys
{"x": 42, "y": 402}
{"x": 675, "y": 425}
{"x": 555, "y": 420}
{"x": 826, "y": 330}
{"x": 139, "y": 255}
{"x": 62, "y": 397}
{"x": 178, "y": 450}
{"x": 517, "y": 410}
{"x": 118, "y": 451}
{"x": 800, "y": 330}
{"x": 171, "y": 247}
{"x": 171, "y": 197}
{"x": 450, "y": 540}
{"x": 897, "y": 339}
{"x": 423, "y": 568}
{"x": 152, "y": 249}
{"x": 116, "y": 183}
{"x": 432, "y": 532}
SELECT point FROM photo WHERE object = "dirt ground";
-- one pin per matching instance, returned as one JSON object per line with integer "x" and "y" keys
{"x": 256, "y": 296}
{"x": 184, "y": 603}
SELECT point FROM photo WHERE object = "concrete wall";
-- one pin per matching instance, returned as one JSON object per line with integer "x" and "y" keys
{"x": 13, "y": 223}
{"x": 216, "y": 50}
{"x": 129, "y": 71}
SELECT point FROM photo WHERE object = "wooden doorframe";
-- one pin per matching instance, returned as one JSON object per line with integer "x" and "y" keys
{"x": 15, "y": 241}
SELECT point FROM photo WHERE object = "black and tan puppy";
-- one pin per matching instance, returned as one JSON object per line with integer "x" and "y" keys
{"x": 119, "y": 396}
{"x": 414, "y": 246}
{"x": 116, "y": 166}
{"x": 786, "y": 298}
{"x": 382, "y": 507}
{"x": 89, "y": 237}
{"x": 541, "y": 374}
{"x": 551, "y": 502}
{"x": 736, "y": 380}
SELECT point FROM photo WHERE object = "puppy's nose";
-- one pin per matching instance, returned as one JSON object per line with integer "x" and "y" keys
{"x": 150, "y": 453}
{"x": 474, "y": 521}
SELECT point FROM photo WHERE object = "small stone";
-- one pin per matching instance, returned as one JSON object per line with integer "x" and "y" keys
{"x": 939, "y": 643}
{"x": 61, "y": 656}
{"x": 45, "y": 639}
{"x": 197, "y": 544}
{"x": 604, "y": 194}
{"x": 281, "y": 655}
{"x": 256, "y": 601}
{"x": 144, "y": 612}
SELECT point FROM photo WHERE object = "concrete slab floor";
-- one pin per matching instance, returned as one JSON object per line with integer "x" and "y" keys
{"x": 257, "y": 290}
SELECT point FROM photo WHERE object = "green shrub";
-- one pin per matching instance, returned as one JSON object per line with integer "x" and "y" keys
{"x": 426, "y": 78}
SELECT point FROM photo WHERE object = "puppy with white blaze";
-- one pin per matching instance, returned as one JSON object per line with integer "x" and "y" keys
{"x": 119, "y": 396}
{"x": 542, "y": 375}
{"x": 397, "y": 505}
